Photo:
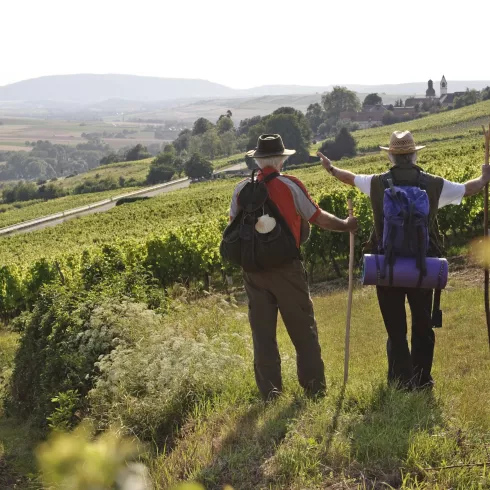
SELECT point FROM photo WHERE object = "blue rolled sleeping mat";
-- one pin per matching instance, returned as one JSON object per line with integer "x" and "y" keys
{"x": 404, "y": 272}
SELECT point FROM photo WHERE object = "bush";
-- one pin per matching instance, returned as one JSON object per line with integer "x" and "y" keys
{"x": 62, "y": 340}
{"x": 96, "y": 185}
{"x": 163, "y": 365}
{"x": 197, "y": 167}
{"x": 343, "y": 146}
{"x": 131, "y": 199}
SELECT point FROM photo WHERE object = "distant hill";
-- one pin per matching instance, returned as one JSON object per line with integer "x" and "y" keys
{"x": 95, "y": 88}
{"x": 89, "y": 89}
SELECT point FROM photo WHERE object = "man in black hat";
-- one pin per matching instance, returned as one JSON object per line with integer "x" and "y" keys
{"x": 285, "y": 288}
{"x": 408, "y": 368}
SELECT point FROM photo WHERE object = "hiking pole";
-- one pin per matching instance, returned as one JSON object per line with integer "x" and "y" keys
{"x": 349, "y": 300}
{"x": 485, "y": 231}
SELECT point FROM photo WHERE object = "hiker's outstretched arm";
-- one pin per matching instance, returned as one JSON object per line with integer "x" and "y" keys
{"x": 343, "y": 175}
{"x": 330, "y": 222}
{"x": 474, "y": 186}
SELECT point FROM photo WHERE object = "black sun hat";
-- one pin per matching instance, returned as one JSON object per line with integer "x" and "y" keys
{"x": 269, "y": 145}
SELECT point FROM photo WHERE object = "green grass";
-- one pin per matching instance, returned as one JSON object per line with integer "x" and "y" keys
{"x": 11, "y": 214}
{"x": 129, "y": 170}
{"x": 364, "y": 436}
{"x": 223, "y": 162}
{"x": 447, "y": 125}
{"x": 368, "y": 436}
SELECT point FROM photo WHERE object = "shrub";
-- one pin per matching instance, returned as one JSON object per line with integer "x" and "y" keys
{"x": 61, "y": 341}
{"x": 162, "y": 366}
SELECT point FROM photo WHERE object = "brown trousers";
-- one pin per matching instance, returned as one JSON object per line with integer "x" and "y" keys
{"x": 283, "y": 289}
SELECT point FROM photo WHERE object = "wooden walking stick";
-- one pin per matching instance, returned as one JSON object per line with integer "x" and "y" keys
{"x": 349, "y": 300}
{"x": 486, "y": 133}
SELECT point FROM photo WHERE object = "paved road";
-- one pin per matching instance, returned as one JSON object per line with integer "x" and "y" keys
{"x": 101, "y": 209}
{"x": 106, "y": 207}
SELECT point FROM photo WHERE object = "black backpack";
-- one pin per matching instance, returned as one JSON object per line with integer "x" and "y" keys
{"x": 243, "y": 245}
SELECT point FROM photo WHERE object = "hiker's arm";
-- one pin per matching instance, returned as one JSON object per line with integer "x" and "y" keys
{"x": 474, "y": 186}
{"x": 343, "y": 175}
{"x": 330, "y": 222}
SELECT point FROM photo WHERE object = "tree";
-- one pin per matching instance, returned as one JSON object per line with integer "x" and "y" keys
{"x": 344, "y": 145}
{"x": 197, "y": 167}
{"x": 340, "y": 99}
{"x": 111, "y": 158}
{"x": 139, "y": 152}
{"x": 485, "y": 93}
{"x": 182, "y": 141}
{"x": 300, "y": 118}
{"x": 159, "y": 173}
{"x": 315, "y": 115}
{"x": 201, "y": 126}
{"x": 228, "y": 142}
{"x": 225, "y": 124}
{"x": 246, "y": 124}
{"x": 162, "y": 168}
{"x": 470, "y": 97}
{"x": 211, "y": 144}
{"x": 399, "y": 102}
{"x": 389, "y": 118}
{"x": 288, "y": 127}
{"x": 372, "y": 99}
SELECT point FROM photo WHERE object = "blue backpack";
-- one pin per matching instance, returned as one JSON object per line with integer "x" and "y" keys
{"x": 406, "y": 224}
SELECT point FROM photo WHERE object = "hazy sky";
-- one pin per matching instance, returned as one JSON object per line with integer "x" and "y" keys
{"x": 248, "y": 43}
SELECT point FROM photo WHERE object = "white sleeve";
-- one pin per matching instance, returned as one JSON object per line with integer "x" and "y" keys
{"x": 363, "y": 183}
{"x": 452, "y": 193}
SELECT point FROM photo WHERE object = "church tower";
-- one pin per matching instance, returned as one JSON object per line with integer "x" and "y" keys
{"x": 443, "y": 86}
{"x": 430, "y": 92}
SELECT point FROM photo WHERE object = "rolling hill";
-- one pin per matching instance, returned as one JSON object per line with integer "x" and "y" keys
{"x": 91, "y": 88}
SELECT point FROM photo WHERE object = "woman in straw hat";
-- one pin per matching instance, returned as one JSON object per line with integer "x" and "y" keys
{"x": 408, "y": 368}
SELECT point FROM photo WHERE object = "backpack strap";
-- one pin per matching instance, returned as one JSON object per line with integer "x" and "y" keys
{"x": 270, "y": 177}
{"x": 436, "y": 307}
{"x": 436, "y": 310}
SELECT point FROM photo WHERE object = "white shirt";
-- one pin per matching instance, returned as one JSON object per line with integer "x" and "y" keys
{"x": 452, "y": 192}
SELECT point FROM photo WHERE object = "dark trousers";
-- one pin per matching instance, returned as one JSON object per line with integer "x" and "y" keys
{"x": 283, "y": 289}
{"x": 409, "y": 369}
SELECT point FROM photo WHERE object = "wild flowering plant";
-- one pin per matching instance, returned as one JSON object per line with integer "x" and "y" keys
{"x": 160, "y": 369}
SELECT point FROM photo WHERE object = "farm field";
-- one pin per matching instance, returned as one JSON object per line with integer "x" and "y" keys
{"x": 14, "y": 132}
{"x": 11, "y": 214}
{"x": 134, "y": 173}
{"x": 132, "y": 339}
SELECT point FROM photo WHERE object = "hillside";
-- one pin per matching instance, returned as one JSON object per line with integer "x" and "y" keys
{"x": 455, "y": 136}
{"x": 127, "y": 320}
{"x": 92, "y": 88}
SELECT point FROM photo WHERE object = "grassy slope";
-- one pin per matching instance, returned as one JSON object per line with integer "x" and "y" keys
{"x": 11, "y": 214}
{"x": 369, "y": 433}
{"x": 465, "y": 122}
{"x": 201, "y": 201}
{"x": 129, "y": 170}
{"x": 458, "y": 123}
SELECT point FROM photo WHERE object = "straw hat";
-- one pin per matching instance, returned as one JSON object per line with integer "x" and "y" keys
{"x": 401, "y": 143}
{"x": 269, "y": 145}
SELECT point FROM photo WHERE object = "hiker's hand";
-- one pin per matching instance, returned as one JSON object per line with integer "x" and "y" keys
{"x": 327, "y": 164}
{"x": 485, "y": 173}
{"x": 351, "y": 224}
